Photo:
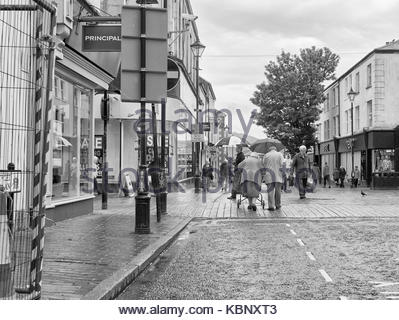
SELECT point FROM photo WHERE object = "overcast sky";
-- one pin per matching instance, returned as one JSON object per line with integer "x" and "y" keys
{"x": 242, "y": 36}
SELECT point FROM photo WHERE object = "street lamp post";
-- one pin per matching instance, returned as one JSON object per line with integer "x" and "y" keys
{"x": 198, "y": 49}
{"x": 352, "y": 94}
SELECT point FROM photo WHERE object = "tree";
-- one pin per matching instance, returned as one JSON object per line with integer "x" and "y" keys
{"x": 290, "y": 97}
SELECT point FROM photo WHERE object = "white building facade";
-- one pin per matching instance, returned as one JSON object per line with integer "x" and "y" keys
{"x": 375, "y": 116}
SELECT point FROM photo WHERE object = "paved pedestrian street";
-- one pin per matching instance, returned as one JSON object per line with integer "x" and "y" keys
{"x": 335, "y": 244}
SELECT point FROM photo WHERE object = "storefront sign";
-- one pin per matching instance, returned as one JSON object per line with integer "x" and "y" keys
{"x": 101, "y": 38}
{"x": 98, "y": 152}
{"x": 327, "y": 148}
{"x": 197, "y": 137}
{"x": 357, "y": 142}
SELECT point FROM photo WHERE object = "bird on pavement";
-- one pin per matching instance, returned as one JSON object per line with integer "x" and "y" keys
{"x": 363, "y": 193}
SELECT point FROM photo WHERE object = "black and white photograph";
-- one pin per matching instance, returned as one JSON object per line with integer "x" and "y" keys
{"x": 199, "y": 159}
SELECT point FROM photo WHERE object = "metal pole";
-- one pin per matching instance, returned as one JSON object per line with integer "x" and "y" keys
{"x": 197, "y": 179}
{"x": 142, "y": 198}
{"x": 155, "y": 173}
{"x": 163, "y": 180}
{"x": 105, "y": 164}
{"x": 352, "y": 148}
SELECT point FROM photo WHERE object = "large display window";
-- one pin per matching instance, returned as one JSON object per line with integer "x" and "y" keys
{"x": 71, "y": 140}
{"x": 384, "y": 160}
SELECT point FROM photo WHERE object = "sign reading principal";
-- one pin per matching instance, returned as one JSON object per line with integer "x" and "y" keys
{"x": 101, "y": 38}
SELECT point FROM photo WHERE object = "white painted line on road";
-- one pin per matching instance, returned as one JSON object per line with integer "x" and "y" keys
{"x": 379, "y": 284}
{"x": 293, "y": 232}
{"x": 393, "y": 293}
{"x": 343, "y": 298}
{"x": 311, "y": 256}
{"x": 300, "y": 242}
{"x": 325, "y": 275}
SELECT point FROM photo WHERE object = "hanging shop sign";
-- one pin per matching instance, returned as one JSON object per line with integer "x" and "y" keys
{"x": 101, "y": 38}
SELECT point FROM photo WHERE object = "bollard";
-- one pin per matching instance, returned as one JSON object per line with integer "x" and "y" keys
{"x": 6, "y": 278}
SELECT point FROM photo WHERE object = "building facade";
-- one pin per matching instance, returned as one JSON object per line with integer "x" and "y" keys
{"x": 375, "y": 116}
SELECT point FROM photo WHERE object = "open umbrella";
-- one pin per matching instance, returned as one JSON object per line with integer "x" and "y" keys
{"x": 231, "y": 141}
{"x": 263, "y": 145}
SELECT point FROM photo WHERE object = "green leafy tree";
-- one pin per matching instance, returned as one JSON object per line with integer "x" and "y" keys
{"x": 290, "y": 97}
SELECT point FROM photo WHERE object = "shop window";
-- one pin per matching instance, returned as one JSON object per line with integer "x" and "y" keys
{"x": 384, "y": 160}
{"x": 71, "y": 143}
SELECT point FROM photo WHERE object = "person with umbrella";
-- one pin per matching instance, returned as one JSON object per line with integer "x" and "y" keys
{"x": 237, "y": 173}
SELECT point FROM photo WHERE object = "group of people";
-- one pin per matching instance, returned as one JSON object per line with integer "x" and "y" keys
{"x": 339, "y": 176}
{"x": 274, "y": 170}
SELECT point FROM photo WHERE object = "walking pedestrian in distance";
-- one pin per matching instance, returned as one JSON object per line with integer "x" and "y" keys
{"x": 207, "y": 176}
{"x": 237, "y": 173}
{"x": 342, "y": 176}
{"x": 273, "y": 163}
{"x": 301, "y": 166}
{"x": 251, "y": 178}
{"x": 356, "y": 176}
{"x": 224, "y": 175}
{"x": 336, "y": 176}
{"x": 326, "y": 175}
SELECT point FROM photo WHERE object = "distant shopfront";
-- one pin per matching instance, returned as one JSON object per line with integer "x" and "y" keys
{"x": 375, "y": 152}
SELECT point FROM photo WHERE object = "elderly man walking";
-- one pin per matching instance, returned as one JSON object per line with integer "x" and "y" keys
{"x": 301, "y": 165}
{"x": 273, "y": 163}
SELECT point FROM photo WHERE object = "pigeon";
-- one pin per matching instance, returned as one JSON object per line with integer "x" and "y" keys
{"x": 363, "y": 193}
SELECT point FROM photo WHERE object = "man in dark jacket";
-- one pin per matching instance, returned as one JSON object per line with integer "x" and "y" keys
{"x": 237, "y": 173}
{"x": 342, "y": 176}
{"x": 302, "y": 167}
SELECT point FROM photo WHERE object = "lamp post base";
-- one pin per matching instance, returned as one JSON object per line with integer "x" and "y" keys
{"x": 164, "y": 200}
{"x": 143, "y": 214}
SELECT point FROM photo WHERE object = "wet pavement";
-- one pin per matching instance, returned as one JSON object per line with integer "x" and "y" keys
{"x": 264, "y": 259}
{"x": 83, "y": 252}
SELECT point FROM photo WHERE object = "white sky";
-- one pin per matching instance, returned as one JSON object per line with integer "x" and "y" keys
{"x": 241, "y": 36}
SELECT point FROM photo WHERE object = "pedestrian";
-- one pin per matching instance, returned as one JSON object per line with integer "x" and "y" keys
{"x": 95, "y": 174}
{"x": 274, "y": 174}
{"x": 207, "y": 176}
{"x": 224, "y": 175}
{"x": 237, "y": 173}
{"x": 356, "y": 176}
{"x": 326, "y": 176}
{"x": 301, "y": 166}
{"x": 251, "y": 178}
{"x": 336, "y": 176}
{"x": 342, "y": 176}
{"x": 316, "y": 173}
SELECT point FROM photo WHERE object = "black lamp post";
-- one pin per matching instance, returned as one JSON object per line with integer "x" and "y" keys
{"x": 352, "y": 94}
{"x": 198, "y": 49}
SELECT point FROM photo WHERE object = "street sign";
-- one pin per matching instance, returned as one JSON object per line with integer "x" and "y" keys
{"x": 155, "y": 39}
{"x": 197, "y": 137}
{"x": 101, "y": 38}
{"x": 206, "y": 126}
{"x": 173, "y": 74}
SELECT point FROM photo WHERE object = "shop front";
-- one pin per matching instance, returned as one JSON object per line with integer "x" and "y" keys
{"x": 70, "y": 177}
{"x": 327, "y": 153}
{"x": 375, "y": 154}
